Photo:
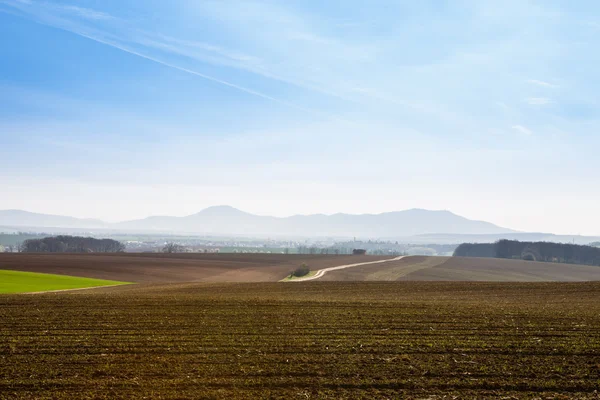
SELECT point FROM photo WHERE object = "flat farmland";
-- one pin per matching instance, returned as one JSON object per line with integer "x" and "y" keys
{"x": 420, "y": 268}
{"x": 163, "y": 268}
{"x": 313, "y": 340}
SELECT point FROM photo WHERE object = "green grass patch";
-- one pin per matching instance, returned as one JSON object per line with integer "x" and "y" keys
{"x": 27, "y": 282}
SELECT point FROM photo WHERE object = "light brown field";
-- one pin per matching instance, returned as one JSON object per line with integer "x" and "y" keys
{"x": 164, "y": 268}
{"x": 167, "y": 268}
{"x": 466, "y": 269}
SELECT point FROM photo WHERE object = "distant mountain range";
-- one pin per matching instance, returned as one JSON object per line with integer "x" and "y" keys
{"x": 225, "y": 220}
{"x": 18, "y": 218}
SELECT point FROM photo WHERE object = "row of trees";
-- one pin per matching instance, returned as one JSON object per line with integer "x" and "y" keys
{"x": 320, "y": 250}
{"x": 12, "y": 248}
{"x": 71, "y": 244}
{"x": 487, "y": 250}
{"x": 533, "y": 251}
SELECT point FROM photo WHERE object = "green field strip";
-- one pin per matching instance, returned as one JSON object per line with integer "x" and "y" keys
{"x": 12, "y": 282}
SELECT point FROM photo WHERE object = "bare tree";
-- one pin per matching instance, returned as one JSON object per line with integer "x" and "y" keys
{"x": 171, "y": 248}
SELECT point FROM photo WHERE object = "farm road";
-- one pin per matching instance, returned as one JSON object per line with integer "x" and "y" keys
{"x": 323, "y": 271}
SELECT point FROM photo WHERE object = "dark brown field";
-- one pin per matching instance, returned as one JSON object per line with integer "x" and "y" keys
{"x": 314, "y": 340}
{"x": 466, "y": 269}
{"x": 163, "y": 268}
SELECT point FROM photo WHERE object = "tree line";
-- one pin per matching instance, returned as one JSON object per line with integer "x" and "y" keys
{"x": 532, "y": 251}
{"x": 71, "y": 244}
{"x": 486, "y": 250}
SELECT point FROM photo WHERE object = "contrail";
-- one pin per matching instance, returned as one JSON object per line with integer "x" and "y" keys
{"x": 192, "y": 72}
{"x": 167, "y": 64}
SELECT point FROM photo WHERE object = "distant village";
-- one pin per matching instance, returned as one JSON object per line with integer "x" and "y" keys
{"x": 11, "y": 242}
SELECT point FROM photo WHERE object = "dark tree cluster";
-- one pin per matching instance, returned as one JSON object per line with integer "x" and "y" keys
{"x": 533, "y": 251}
{"x": 301, "y": 271}
{"x": 487, "y": 250}
{"x": 72, "y": 244}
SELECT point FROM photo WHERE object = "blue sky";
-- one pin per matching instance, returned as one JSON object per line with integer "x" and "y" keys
{"x": 123, "y": 109}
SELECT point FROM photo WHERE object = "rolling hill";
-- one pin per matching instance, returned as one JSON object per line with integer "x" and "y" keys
{"x": 421, "y": 268}
{"x": 186, "y": 268}
{"x": 170, "y": 268}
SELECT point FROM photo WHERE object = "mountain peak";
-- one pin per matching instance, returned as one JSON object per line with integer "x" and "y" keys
{"x": 220, "y": 211}
{"x": 425, "y": 211}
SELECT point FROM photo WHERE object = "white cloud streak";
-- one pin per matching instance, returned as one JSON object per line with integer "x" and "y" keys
{"x": 82, "y": 12}
{"x": 538, "y": 101}
{"x": 542, "y": 83}
{"x": 523, "y": 130}
{"x": 85, "y": 12}
{"x": 192, "y": 72}
{"x": 376, "y": 76}
{"x": 91, "y": 14}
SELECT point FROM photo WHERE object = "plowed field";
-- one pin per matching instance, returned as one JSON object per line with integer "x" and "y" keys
{"x": 162, "y": 268}
{"x": 466, "y": 269}
{"x": 315, "y": 340}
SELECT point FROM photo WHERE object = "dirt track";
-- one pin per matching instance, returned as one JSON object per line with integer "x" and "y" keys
{"x": 161, "y": 268}
{"x": 320, "y": 273}
{"x": 466, "y": 269}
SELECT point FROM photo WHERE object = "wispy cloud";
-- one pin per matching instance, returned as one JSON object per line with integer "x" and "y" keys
{"x": 503, "y": 105}
{"x": 538, "y": 101}
{"x": 375, "y": 70}
{"x": 196, "y": 73}
{"x": 294, "y": 52}
{"x": 591, "y": 24}
{"x": 542, "y": 83}
{"x": 85, "y": 12}
{"x": 59, "y": 9}
{"x": 523, "y": 130}
{"x": 45, "y": 13}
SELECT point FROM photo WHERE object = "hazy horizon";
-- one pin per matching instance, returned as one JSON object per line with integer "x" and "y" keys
{"x": 120, "y": 110}
{"x": 228, "y": 210}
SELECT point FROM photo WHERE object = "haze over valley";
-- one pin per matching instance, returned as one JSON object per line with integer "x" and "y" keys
{"x": 228, "y": 220}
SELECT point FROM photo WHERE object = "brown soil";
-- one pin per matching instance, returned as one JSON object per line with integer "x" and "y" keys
{"x": 163, "y": 268}
{"x": 315, "y": 340}
{"x": 467, "y": 269}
